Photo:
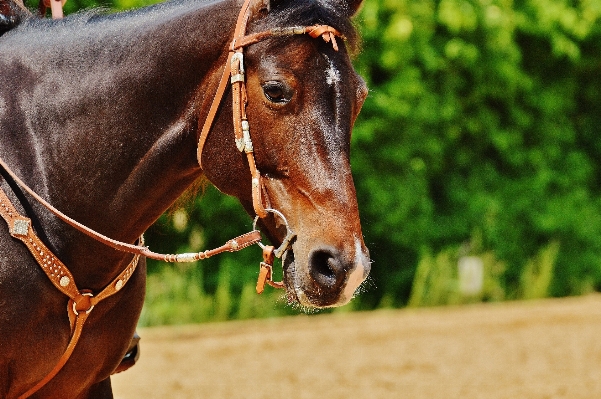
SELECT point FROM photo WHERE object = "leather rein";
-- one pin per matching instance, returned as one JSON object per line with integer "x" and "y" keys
{"x": 82, "y": 301}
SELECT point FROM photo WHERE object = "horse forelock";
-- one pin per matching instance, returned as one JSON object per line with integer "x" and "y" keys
{"x": 312, "y": 12}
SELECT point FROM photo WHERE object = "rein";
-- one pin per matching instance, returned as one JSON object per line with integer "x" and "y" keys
{"x": 232, "y": 245}
{"x": 82, "y": 301}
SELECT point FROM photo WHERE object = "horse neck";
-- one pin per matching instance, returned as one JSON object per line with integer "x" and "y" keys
{"x": 119, "y": 120}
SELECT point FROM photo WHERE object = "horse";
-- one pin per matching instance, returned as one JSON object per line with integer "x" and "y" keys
{"x": 101, "y": 115}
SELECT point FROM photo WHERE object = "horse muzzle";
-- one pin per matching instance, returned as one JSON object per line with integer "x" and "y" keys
{"x": 325, "y": 276}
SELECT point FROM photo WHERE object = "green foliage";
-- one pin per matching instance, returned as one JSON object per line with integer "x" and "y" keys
{"x": 177, "y": 295}
{"x": 72, "y": 6}
{"x": 538, "y": 272}
{"x": 434, "y": 282}
{"x": 437, "y": 279}
{"x": 483, "y": 117}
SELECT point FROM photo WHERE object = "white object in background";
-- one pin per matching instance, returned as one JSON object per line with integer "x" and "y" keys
{"x": 471, "y": 275}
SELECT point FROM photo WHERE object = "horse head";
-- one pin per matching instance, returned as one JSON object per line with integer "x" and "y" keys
{"x": 303, "y": 98}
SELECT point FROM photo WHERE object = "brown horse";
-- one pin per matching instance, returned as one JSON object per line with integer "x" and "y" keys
{"x": 100, "y": 115}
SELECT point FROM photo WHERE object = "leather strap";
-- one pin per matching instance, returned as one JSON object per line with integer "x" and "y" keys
{"x": 208, "y": 124}
{"x": 266, "y": 271}
{"x": 81, "y": 302}
{"x": 81, "y": 319}
{"x": 225, "y": 76}
{"x": 20, "y": 228}
{"x": 235, "y": 244}
{"x": 325, "y": 31}
{"x": 56, "y": 8}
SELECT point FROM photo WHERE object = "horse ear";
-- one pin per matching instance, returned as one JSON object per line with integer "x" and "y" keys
{"x": 352, "y": 6}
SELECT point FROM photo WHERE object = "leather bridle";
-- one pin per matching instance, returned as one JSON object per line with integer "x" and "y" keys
{"x": 235, "y": 73}
{"x": 82, "y": 301}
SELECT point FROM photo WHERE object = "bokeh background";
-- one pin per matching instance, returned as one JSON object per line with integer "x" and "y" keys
{"x": 478, "y": 145}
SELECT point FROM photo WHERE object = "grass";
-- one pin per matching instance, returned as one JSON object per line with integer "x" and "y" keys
{"x": 437, "y": 280}
{"x": 177, "y": 295}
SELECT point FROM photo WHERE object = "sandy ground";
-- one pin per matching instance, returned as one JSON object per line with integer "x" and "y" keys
{"x": 538, "y": 349}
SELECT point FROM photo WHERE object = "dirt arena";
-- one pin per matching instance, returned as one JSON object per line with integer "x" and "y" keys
{"x": 540, "y": 349}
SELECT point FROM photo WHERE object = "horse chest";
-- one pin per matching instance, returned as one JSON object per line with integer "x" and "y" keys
{"x": 35, "y": 328}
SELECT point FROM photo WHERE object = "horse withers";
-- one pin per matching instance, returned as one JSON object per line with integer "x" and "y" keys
{"x": 101, "y": 115}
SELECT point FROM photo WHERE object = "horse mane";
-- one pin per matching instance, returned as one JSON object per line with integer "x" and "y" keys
{"x": 282, "y": 14}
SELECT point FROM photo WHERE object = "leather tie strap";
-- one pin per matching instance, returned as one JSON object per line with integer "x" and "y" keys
{"x": 326, "y": 32}
{"x": 266, "y": 270}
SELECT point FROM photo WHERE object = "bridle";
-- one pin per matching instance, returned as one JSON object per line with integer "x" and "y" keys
{"x": 235, "y": 73}
{"x": 82, "y": 301}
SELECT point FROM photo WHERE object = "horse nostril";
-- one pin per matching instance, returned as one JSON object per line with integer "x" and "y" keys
{"x": 326, "y": 267}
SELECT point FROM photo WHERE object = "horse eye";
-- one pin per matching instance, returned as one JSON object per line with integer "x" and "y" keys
{"x": 277, "y": 92}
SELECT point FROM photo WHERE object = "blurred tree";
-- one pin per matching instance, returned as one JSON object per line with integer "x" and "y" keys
{"x": 481, "y": 120}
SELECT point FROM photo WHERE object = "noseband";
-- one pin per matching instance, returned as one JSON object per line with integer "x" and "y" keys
{"x": 82, "y": 301}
